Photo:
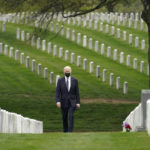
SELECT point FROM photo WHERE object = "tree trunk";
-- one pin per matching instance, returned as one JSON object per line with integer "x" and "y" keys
{"x": 110, "y": 7}
{"x": 148, "y": 25}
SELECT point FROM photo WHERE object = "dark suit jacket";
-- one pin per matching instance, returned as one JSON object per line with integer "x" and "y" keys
{"x": 62, "y": 94}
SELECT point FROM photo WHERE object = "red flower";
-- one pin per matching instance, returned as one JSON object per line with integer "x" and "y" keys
{"x": 128, "y": 126}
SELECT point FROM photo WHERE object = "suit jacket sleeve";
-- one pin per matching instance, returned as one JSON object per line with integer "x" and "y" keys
{"x": 58, "y": 91}
{"x": 77, "y": 93}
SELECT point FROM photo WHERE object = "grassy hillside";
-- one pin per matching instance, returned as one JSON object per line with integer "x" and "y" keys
{"x": 24, "y": 92}
{"x": 93, "y": 88}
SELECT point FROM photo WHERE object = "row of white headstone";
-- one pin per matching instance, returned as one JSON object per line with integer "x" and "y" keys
{"x": 89, "y": 44}
{"x": 111, "y": 30}
{"x": 15, "y": 123}
{"x": 104, "y": 17}
{"x": 112, "y": 18}
{"x": 28, "y": 64}
{"x": 72, "y": 60}
{"x": 135, "y": 120}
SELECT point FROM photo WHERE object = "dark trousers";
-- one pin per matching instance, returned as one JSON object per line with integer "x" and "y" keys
{"x": 68, "y": 118}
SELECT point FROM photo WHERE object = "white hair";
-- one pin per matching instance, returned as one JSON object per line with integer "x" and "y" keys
{"x": 67, "y": 67}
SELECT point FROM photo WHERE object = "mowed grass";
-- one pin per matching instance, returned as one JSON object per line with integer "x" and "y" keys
{"x": 25, "y": 93}
{"x": 75, "y": 141}
{"x": 136, "y": 80}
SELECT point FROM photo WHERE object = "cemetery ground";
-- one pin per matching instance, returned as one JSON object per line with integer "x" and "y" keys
{"x": 26, "y": 93}
{"x": 74, "y": 141}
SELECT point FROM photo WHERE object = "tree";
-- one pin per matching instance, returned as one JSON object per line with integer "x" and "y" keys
{"x": 146, "y": 17}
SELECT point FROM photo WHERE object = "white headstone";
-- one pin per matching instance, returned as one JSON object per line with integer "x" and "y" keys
{"x": 3, "y": 27}
{"x": 98, "y": 71}
{"x": 124, "y": 35}
{"x": 128, "y": 60}
{"x": 141, "y": 25}
{"x": 28, "y": 36}
{"x": 38, "y": 43}
{"x": 122, "y": 57}
{"x": 91, "y": 67}
{"x": 62, "y": 30}
{"x": 73, "y": 35}
{"x": 60, "y": 52}
{"x": 104, "y": 75}
{"x": 51, "y": 26}
{"x": 16, "y": 55}
{"x": 33, "y": 65}
{"x": 84, "y": 41}
{"x": 43, "y": 45}
{"x": 18, "y": 34}
{"x": 106, "y": 28}
{"x": 135, "y": 63}
{"x": 102, "y": 49}
{"x": 136, "y": 41}
{"x": 72, "y": 58}
{"x": 6, "y": 50}
{"x": 108, "y": 51}
{"x": 142, "y": 66}
{"x": 57, "y": 28}
{"x": 49, "y": 47}
{"x": 125, "y": 87}
{"x": 96, "y": 46}
{"x": 39, "y": 69}
{"x": 90, "y": 43}
{"x": 112, "y": 30}
{"x": 1, "y": 48}
{"x": 68, "y": 33}
{"x": 118, "y": 33}
{"x": 130, "y": 38}
{"x": 115, "y": 54}
{"x": 22, "y": 36}
{"x": 33, "y": 41}
{"x": 95, "y": 25}
{"x": 78, "y": 38}
{"x": 78, "y": 61}
{"x": 66, "y": 54}
{"x": 55, "y": 50}
{"x": 118, "y": 83}
{"x": 45, "y": 72}
{"x": 111, "y": 79}
{"x": 84, "y": 64}
{"x": 101, "y": 27}
{"x": 27, "y": 61}
{"x": 11, "y": 52}
{"x": 51, "y": 78}
{"x": 143, "y": 44}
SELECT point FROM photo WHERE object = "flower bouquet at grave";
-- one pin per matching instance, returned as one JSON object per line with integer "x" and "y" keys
{"x": 127, "y": 127}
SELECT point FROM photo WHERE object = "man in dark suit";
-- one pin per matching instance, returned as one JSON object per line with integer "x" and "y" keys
{"x": 67, "y": 98}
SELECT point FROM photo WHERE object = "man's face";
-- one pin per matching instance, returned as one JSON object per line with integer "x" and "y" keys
{"x": 67, "y": 70}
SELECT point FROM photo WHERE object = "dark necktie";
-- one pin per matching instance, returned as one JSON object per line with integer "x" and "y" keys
{"x": 67, "y": 83}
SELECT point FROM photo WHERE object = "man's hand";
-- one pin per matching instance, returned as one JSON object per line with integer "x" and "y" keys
{"x": 78, "y": 105}
{"x": 58, "y": 104}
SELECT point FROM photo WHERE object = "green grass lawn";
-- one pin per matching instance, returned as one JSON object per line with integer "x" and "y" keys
{"x": 28, "y": 94}
{"x": 75, "y": 141}
{"x": 135, "y": 79}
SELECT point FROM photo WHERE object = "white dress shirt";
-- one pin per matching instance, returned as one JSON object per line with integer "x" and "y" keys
{"x": 69, "y": 82}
